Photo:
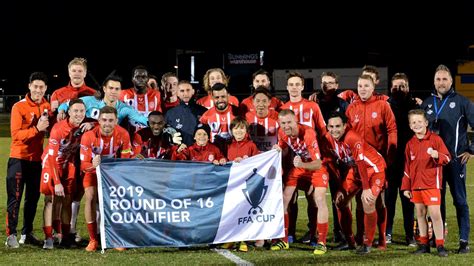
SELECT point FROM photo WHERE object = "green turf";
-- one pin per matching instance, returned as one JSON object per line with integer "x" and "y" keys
{"x": 396, "y": 254}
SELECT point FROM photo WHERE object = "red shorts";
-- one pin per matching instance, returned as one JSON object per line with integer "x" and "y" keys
{"x": 66, "y": 176}
{"x": 318, "y": 178}
{"x": 427, "y": 197}
{"x": 90, "y": 180}
{"x": 376, "y": 182}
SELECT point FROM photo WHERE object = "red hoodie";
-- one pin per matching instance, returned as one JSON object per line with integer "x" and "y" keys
{"x": 241, "y": 148}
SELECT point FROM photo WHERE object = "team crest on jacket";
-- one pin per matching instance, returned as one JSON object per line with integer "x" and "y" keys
{"x": 306, "y": 115}
{"x": 374, "y": 115}
{"x": 429, "y": 111}
{"x": 211, "y": 157}
{"x": 412, "y": 156}
{"x": 429, "y": 150}
{"x": 452, "y": 105}
{"x": 271, "y": 130}
{"x": 152, "y": 105}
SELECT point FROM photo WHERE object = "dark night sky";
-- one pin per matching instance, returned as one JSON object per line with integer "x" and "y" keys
{"x": 46, "y": 35}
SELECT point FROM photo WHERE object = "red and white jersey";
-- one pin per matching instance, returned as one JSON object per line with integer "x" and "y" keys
{"x": 421, "y": 170}
{"x": 351, "y": 148}
{"x": 307, "y": 113}
{"x": 208, "y": 102}
{"x": 374, "y": 120}
{"x": 61, "y": 149}
{"x": 263, "y": 130}
{"x": 247, "y": 105}
{"x": 150, "y": 146}
{"x": 69, "y": 92}
{"x": 94, "y": 143}
{"x": 219, "y": 122}
{"x": 143, "y": 103}
{"x": 304, "y": 144}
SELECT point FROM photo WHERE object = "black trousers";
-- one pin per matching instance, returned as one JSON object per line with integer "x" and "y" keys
{"x": 394, "y": 178}
{"x": 22, "y": 174}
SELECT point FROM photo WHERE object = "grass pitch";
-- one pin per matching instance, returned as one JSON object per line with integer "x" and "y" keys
{"x": 396, "y": 254}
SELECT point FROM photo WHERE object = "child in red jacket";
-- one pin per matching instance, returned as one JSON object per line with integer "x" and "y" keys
{"x": 242, "y": 146}
{"x": 202, "y": 150}
{"x": 425, "y": 155}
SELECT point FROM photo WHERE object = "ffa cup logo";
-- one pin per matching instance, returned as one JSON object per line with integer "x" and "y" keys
{"x": 130, "y": 102}
{"x": 374, "y": 115}
{"x": 271, "y": 130}
{"x": 452, "y": 105}
{"x": 214, "y": 126}
{"x": 255, "y": 192}
{"x": 152, "y": 105}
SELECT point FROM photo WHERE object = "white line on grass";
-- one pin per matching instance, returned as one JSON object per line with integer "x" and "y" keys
{"x": 230, "y": 256}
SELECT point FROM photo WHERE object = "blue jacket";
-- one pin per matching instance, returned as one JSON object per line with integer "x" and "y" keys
{"x": 185, "y": 118}
{"x": 455, "y": 113}
{"x": 93, "y": 106}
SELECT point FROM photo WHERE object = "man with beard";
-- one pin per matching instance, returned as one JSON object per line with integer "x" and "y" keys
{"x": 108, "y": 140}
{"x": 401, "y": 101}
{"x": 219, "y": 116}
{"x": 76, "y": 88}
{"x": 153, "y": 142}
{"x": 449, "y": 114}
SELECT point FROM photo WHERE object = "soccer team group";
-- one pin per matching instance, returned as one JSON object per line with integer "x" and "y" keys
{"x": 361, "y": 145}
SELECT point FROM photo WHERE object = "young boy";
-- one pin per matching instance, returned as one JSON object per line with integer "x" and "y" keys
{"x": 242, "y": 146}
{"x": 202, "y": 150}
{"x": 425, "y": 154}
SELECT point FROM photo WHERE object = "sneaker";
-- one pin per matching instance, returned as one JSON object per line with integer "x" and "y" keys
{"x": 65, "y": 243}
{"x": 12, "y": 242}
{"x": 57, "y": 238}
{"x": 291, "y": 239}
{"x": 243, "y": 247}
{"x": 280, "y": 245}
{"x": 339, "y": 237}
{"x": 363, "y": 250}
{"x": 93, "y": 245}
{"x": 343, "y": 246}
{"x": 422, "y": 249}
{"x": 29, "y": 239}
{"x": 442, "y": 252}
{"x": 463, "y": 247}
{"x": 320, "y": 249}
{"x": 229, "y": 245}
{"x": 411, "y": 242}
{"x": 305, "y": 239}
{"x": 48, "y": 243}
{"x": 388, "y": 239}
{"x": 77, "y": 237}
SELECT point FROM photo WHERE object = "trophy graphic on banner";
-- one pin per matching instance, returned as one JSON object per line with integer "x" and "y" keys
{"x": 255, "y": 191}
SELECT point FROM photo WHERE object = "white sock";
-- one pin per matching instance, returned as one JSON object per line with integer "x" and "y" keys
{"x": 75, "y": 206}
{"x": 97, "y": 218}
